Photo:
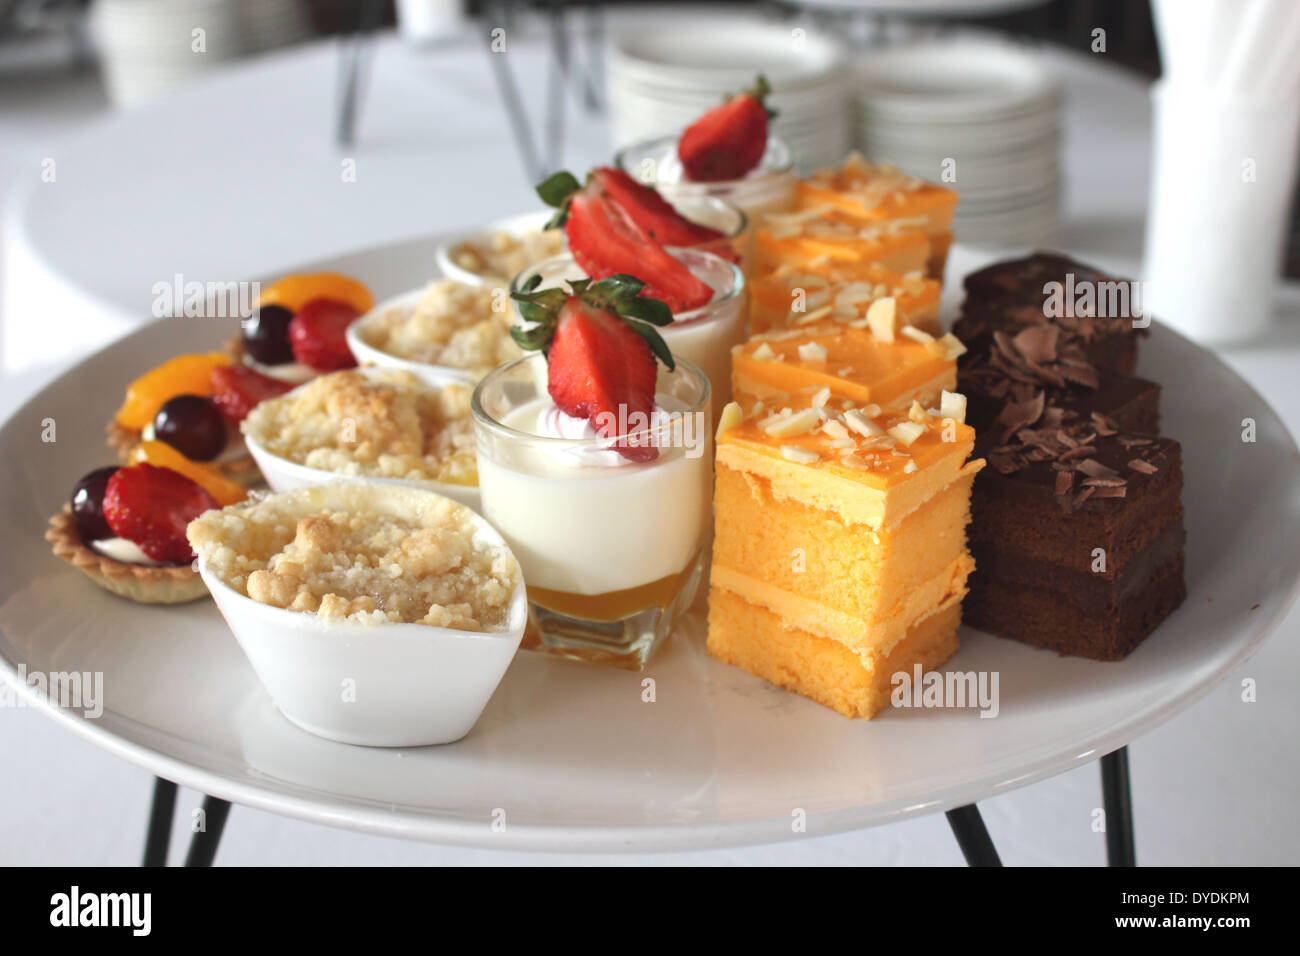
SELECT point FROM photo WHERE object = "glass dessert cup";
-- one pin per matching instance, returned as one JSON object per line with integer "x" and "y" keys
{"x": 769, "y": 187}
{"x": 702, "y": 336}
{"x": 611, "y": 549}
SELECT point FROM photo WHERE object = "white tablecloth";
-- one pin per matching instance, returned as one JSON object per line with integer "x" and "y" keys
{"x": 238, "y": 177}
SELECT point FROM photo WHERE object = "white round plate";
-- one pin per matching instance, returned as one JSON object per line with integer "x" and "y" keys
{"x": 572, "y": 757}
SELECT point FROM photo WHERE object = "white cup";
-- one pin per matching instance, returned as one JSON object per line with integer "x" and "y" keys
{"x": 1222, "y": 177}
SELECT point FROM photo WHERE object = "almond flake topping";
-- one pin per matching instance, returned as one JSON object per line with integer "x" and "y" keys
{"x": 803, "y": 456}
{"x": 788, "y": 426}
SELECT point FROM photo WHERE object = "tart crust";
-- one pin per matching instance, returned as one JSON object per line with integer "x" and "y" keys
{"x": 171, "y": 584}
{"x": 242, "y": 469}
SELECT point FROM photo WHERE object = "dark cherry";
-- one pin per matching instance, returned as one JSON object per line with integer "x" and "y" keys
{"x": 88, "y": 504}
{"x": 266, "y": 335}
{"x": 192, "y": 425}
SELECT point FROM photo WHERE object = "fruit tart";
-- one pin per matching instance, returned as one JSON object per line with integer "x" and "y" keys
{"x": 298, "y": 329}
{"x": 185, "y": 415}
{"x": 124, "y": 528}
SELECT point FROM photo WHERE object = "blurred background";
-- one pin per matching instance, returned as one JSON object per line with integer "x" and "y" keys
{"x": 215, "y": 132}
{"x": 239, "y": 139}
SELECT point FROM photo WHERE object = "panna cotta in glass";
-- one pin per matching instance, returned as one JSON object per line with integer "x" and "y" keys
{"x": 611, "y": 547}
{"x": 768, "y": 188}
{"x": 703, "y": 336}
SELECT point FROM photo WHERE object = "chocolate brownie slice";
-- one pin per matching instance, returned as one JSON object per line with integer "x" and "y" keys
{"x": 1090, "y": 308}
{"x": 1076, "y": 531}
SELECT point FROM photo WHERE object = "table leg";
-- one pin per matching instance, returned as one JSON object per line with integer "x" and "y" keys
{"x": 203, "y": 845}
{"x": 159, "y": 835}
{"x": 1117, "y": 798}
{"x": 972, "y": 836}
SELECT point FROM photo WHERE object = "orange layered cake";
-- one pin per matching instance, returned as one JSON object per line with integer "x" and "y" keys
{"x": 889, "y": 365}
{"x": 839, "y": 555}
{"x": 791, "y": 296}
{"x": 878, "y": 193}
{"x": 823, "y": 236}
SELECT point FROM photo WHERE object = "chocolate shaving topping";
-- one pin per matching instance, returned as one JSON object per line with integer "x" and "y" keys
{"x": 1095, "y": 469}
{"x": 1083, "y": 496}
{"x": 1143, "y": 466}
{"x": 1130, "y": 442}
{"x": 1037, "y": 343}
{"x": 1017, "y": 415}
{"x": 1104, "y": 482}
{"x": 1110, "y": 491}
{"x": 1064, "y": 482}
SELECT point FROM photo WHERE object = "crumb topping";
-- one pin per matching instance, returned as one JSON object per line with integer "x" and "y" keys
{"x": 503, "y": 254}
{"x": 453, "y": 324}
{"x": 381, "y": 423}
{"x": 363, "y": 555}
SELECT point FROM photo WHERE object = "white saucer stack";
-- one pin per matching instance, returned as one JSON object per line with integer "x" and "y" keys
{"x": 661, "y": 79}
{"x": 148, "y": 46}
{"x": 978, "y": 115}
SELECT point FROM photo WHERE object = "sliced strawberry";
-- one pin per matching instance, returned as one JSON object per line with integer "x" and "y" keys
{"x": 599, "y": 369}
{"x": 316, "y": 334}
{"x": 152, "y": 506}
{"x": 605, "y": 242}
{"x": 651, "y": 211}
{"x": 601, "y": 344}
{"x": 237, "y": 389}
{"x": 728, "y": 140}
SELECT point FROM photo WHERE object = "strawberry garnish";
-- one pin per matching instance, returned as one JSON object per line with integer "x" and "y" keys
{"x": 651, "y": 211}
{"x": 600, "y": 345}
{"x": 151, "y": 506}
{"x": 316, "y": 334}
{"x": 729, "y": 140}
{"x": 606, "y": 241}
{"x": 237, "y": 389}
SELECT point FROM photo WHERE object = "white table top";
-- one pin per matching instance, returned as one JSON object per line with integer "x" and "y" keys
{"x": 204, "y": 185}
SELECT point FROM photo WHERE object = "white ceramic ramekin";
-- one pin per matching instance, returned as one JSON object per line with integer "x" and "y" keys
{"x": 383, "y": 685}
{"x": 513, "y": 225}
{"x": 367, "y": 355}
{"x": 285, "y": 475}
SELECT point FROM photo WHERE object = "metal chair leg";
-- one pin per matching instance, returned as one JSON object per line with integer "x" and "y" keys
{"x": 1117, "y": 798}
{"x": 203, "y": 845}
{"x": 972, "y": 836}
{"x": 159, "y": 835}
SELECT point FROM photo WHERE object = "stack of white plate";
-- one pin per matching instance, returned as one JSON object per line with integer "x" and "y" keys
{"x": 148, "y": 46}
{"x": 981, "y": 116}
{"x": 661, "y": 80}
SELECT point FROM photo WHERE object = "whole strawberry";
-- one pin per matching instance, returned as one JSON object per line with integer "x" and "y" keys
{"x": 729, "y": 140}
{"x": 600, "y": 343}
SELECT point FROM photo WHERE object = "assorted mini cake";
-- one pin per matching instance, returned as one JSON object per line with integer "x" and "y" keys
{"x": 361, "y": 555}
{"x": 1077, "y": 523}
{"x": 376, "y": 423}
{"x": 890, "y": 364}
{"x": 824, "y": 236}
{"x": 124, "y": 528}
{"x": 790, "y": 296}
{"x": 839, "y": 552}
{"x": 880, "y": 193}
{"x": 453, "y": 325}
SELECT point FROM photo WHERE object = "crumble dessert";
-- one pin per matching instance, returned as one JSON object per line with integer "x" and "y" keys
{"x": 502, "y": 255}
{"x": 453, "y": 324}
{"x": 362, "y": 554}
{"x": 377, "y": 423}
